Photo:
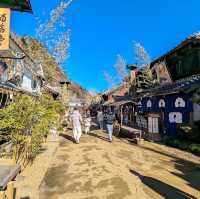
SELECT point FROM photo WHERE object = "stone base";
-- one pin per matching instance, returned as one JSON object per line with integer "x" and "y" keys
{"x": 154, "y": 137}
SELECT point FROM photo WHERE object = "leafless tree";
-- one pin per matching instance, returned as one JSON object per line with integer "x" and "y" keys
{"x": 143, "y": 61}
{"x": 54, "y": 34}
{"x": 120, "y": 68}
{"x": 141, "y": 56}
{"x": 109, "y": 79}
{"x": 120, "y": 72}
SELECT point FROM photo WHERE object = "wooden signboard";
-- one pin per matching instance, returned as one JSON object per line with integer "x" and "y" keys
{"x": 4, "y": 28}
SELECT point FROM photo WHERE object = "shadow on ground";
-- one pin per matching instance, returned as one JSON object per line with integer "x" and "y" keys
{"x": 92, "y": 133}
{"x": 165, "y": 190}
{"x": 67, "y": 137}
{"x": 190, "y": 171}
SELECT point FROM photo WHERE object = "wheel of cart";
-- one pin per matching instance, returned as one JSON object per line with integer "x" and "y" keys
{"x": 116, "y": 128}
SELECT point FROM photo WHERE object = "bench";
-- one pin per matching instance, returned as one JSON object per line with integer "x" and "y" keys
{"x": 136, "y": 132}
{"x": 7, "y": 174}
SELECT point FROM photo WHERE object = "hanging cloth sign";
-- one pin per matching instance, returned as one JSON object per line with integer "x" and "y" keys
{"x": 4, "y": 28}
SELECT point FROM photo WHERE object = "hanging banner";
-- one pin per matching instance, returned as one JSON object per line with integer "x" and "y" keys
{"x": 4, "y": 28}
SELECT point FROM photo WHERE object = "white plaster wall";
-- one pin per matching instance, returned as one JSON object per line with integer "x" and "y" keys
{"x": 27, "y": 81}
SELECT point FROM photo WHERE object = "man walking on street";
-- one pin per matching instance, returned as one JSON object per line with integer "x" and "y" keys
{"x": 76, "y": 119}
{"x": 110, "y": 119}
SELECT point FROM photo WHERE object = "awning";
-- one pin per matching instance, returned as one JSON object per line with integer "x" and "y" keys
{"x": 120, "y": 103}
{"x": 19, "y": 5}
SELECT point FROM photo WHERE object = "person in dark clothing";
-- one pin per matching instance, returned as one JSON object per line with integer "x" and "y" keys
{"x": 110, "y": 119}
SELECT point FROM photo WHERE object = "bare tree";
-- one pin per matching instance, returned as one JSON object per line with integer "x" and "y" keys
{"x": 141, "y": 56}
{"x": 109, "y": 79}
{"x": 143, "y": 62}
{"x": 120, "y": 68}
{"x": 120, "y": 72}
{"x": 54, "y": 34}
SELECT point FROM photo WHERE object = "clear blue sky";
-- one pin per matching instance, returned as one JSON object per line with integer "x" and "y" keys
{"x": 101, "y": 29}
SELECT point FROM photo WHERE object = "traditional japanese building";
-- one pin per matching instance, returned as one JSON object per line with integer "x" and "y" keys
{"x": 169, "y": 102}
{"x": 109, "y": 96}
{"x": 18, "y": 73}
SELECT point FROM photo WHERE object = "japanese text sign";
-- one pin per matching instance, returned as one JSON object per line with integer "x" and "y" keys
{"x": 4, "y": 28}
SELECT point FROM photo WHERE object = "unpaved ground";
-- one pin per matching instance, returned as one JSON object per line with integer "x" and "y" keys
{"x": 97, "y": 169}
{"x": 28, "y": 182}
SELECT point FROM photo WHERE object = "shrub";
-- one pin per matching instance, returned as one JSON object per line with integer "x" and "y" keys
{"x": 183, "y": 145}
{"x": 26, "y": 121}
{"x": 195, "y": 148}
{"x": 189, "y": 132}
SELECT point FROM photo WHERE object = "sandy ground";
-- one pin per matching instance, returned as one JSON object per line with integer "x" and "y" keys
{"x": 97, "y": 169}
{"x": 28, "y": 182}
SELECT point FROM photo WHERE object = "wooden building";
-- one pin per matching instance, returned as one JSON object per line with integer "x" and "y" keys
{"x": 18, "y": 73}
{"x": 168, "y": 103}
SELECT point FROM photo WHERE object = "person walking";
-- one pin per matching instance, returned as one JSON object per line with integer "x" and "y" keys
{"x": 110, "y": 119}
{"x": 100, "y": 118}
{"x": 76, "y": 119}
{"x": 87, "y": 121}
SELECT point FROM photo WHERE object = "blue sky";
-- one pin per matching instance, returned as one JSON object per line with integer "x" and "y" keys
{"x": 101, "y": 29}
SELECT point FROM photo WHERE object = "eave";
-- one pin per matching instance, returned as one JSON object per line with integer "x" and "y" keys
{"x": 18, "y": 5}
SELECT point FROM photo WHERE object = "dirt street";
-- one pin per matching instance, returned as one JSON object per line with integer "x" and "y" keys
{"x": 97, "y": 169}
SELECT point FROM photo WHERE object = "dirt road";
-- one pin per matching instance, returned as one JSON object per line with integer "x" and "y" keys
{"x": 97, "y": 169}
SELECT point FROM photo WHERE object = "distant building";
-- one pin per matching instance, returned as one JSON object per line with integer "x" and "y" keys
{"x": 18, "y": 73}
{"x": 109, "y": 96}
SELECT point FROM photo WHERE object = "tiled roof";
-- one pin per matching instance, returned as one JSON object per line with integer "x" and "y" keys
{"x": 11, "y": 87}
{"x": 8, "y": 86}
{"x": 194, "y": 36}
{"x": 180, "y": 85}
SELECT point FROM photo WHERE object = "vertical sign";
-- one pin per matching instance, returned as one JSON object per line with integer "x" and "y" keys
{"x": 4, "y": 28}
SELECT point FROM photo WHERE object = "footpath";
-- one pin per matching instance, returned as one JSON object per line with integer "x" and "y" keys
{"x": 28, "y": 182}
{"x": 98, "y": 169}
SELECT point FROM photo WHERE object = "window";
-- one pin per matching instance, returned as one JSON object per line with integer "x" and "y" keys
{"x": 34, "y": 84}
{"x": 179, "y": 102}
{"x": 3, "y": 71}
{"x": 161, "y": 103}
{"x": 149, "y": 104}
{"x": 175, "y": 117}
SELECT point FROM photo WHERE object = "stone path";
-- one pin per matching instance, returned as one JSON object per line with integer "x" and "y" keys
{"x": 97, "y": 169}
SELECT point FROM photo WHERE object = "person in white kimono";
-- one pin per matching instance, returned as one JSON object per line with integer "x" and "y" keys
{"x": 87, "y": 122}
{"x": 76, "y": 119}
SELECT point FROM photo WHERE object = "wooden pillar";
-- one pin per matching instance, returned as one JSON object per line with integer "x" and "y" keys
{"x": 121, "y": 115}
{"x": 10, "y": 190}
{"x": 2, "y": 195}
